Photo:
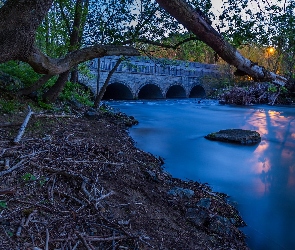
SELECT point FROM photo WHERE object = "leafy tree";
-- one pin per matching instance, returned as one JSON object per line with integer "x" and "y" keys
{"x": 269, "y": 25}
{"x": 191, "y": 50}
{"x": 194, "y": 22}
{"x": 19, "y": 21}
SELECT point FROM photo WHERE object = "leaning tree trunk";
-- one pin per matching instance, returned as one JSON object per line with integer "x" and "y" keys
{"x": 104, "y": 87}
{"x": 52, "y": 94}
{"x": 193, "y": 21}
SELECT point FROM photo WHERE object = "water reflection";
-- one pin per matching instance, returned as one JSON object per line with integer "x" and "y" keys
{"x": 268, "y": 157}
{"x": 260, "y": 178}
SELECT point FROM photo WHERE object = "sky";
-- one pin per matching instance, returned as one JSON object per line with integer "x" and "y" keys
{"x": 216, "y": 6}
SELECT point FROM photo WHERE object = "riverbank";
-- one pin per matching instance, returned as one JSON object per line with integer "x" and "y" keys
{"x": 80, "y": 182}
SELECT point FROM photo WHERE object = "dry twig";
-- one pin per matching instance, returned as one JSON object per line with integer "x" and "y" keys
{"x": 18, "y": 165}
{"x": 23, "y": 126}
{"x": 47, "y": 239}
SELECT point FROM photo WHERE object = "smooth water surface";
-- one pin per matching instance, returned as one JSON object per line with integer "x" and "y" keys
{"x": 260, "y": 178}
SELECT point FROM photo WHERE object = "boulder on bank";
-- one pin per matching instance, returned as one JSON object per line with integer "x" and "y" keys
{"x": 239, "y": 136}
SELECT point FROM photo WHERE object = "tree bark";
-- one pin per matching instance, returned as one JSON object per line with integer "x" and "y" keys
{"x": 19, "y": 20}
{"x": 193, "y": 21}
{"x": 43, "y": 64}
{"x": 74, "y": 75}
{"x": 52, "y": 94}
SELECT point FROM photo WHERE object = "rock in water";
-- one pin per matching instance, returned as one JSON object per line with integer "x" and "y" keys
{"x": 240, "y": 136}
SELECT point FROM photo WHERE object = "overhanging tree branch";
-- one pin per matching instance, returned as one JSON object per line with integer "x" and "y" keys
{"x": 44, "y": 64}
{"x": 193, "y": 21}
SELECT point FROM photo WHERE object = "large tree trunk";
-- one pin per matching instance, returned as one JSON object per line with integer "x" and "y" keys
{"x": 19, "y": 20}
{"x": 193, "y": 21}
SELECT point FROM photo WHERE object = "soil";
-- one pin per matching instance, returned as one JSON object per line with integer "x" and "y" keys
{"x": 78, "y": 182}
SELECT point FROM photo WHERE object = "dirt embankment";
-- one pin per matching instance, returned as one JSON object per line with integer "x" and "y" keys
{"x": 80, "y": 183}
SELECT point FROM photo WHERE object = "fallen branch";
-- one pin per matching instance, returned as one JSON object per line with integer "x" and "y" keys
{"x": 6, "y": 163}
{"x": 95, "y": 238}
{"x": 23, "y": 127}
{"x": 18, "y": 165}
{"x": 19, "y": 230}
{"x": 51, "y": 210}
{"x": 94, "y": 161}
{"x": 7, "y": 191}
{"x": 9, "y": 124}
{"x": 70, "y": 196}
{"x": 30, "y": 217}
{"x": 54, "y": 116}
{"x": 103, "y": 197}
{"x": 50, "y": 190}
{"x": 33, "y": 154}
{"x": 76, "y": 245}
{"x": 47, "y": 239}
{"x": 66, "y": 173}
{"x": 88, "y": 246}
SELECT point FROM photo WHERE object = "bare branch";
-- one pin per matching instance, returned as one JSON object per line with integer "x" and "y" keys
{"x": 47, "y": 239}
{"x": 16, "y": 166}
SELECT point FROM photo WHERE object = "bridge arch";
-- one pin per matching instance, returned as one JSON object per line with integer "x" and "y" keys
{"x": 176, "y": 91}
{"x": 150, "y": 91}
{"x": 197, "y": 91}
{"x": 118, "y": 91}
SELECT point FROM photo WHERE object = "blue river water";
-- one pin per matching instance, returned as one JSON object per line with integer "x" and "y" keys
{"x": 259, "y": 178}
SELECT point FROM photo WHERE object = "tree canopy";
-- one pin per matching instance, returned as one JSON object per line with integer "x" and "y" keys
{"x": 53, "y": 37}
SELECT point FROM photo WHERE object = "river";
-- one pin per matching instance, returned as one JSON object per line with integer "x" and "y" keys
{"x": 260, "y": 179}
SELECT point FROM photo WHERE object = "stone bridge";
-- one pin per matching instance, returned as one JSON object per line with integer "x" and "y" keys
{"x": 143, "y": 78}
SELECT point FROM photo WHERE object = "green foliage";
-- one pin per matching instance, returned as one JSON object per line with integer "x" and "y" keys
{"x": 42, "y": 181}
{"x": 2, "y": 3}
{"x": 9, "y": 233}
{"x": 270, "y": 25}
{"x": 115, "y": 22}
{"x": 272, "y": 88}
{"x": 85, "y": 71}
{"x": 44, "y": 105}
{"x": 20, "y": 70}
{"x": 192, "y": 50}
{"x": 74, "y": 91}
{"x": 3, "y": 204}
{"x": 8, "y": 107}
{"x": 29, "y": 177}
